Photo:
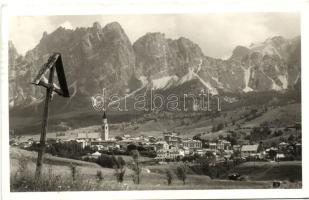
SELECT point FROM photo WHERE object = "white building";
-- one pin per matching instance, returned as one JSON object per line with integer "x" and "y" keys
{"x": 170, "y": 154}
{"x": 249, "y": 150}
{"x": 223, "y": 145}
{"x": 83, "y": 143}
{"x": 104, "y": 135}
{"x": 192, "y": 144}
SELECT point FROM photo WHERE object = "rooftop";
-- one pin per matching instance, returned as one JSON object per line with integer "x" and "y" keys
{"x": 253, "y": 147}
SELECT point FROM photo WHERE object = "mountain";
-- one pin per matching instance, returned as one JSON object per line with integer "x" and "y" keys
{"x": 20, "y": 77}
{"x": 95, "y": 58}
{"x": 271, "y": 65}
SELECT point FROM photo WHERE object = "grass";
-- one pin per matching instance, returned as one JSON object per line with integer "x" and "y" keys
{"x": 16, "y": 153}
{"x": 285, "y": 171}
{"x": 280, "y": 117}
{"x": 57, "y": 176}
{"x": 50, "y": 181}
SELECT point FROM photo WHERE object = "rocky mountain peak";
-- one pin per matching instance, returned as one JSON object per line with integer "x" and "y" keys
{"x": 189, "y": 48}
{"x": 103, "y": 57}
{"x": 278, "y": 40}
{"x": 239, "y": 52}
{"x": 97, "y": 26}
{"x": 113, "y": 27}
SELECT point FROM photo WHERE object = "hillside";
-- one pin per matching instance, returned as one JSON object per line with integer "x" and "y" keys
{"x": 283, "y": 171}
{"x": 278, "y": 117}
{"x": 156, "y": 180}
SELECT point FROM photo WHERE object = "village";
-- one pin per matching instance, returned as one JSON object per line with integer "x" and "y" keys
{"x": 169, "y": 147}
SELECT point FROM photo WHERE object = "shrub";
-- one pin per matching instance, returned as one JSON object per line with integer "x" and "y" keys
{"x": 119, "y": 166}
{"x": 99, "y": 176}
{"x": 22, "y": 165}
{"x": 136, "y": 166}
{"x": 106, "y": 161}
{"x": 169, "y": 176}
{"x": 278, "y": 133}
{"x": 73, "y": 171}
{"x": 181, "y": 173}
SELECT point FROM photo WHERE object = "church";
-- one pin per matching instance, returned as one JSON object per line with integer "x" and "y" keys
{"x": 104, "y": 133}
{"x": 103, "y": 137}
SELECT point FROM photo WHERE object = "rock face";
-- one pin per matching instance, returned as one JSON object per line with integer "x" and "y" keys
{"x": 97, "y": 58}
{"x": 20, "y": 77}
{"x": 94, "y": 57}
{"x": 271, "y": 65}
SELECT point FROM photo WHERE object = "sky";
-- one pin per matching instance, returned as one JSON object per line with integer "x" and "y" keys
{"x": 216, "y": 33}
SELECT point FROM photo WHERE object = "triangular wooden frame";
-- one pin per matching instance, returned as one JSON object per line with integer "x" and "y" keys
{"x": 54, "y": 60}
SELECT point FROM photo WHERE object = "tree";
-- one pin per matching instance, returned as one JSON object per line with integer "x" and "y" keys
{"x": 231, "y": 139}
{"x": 278, "y": 133}
{"x": 272, "y": 154}
{"x": 118, "y": 138}
{"x": 197, "y": 137}
{"x": 136, "y": 166}
{"x": 106, "y": 161}
{"x": 119, "y": 166}
{"x": 220, "y": 126}
{"x": 73, "y": 172}
{"x": 291, "y": 139}
{"x": 131, "y": 147}
{"x": 169, "y": 177}
{"x": 210, "y": 157}
{"x": 273, "y": 144}
{"x": 203, "y": 165}
{"x": 99, "y": 176}
{"x": 181, "y": 173}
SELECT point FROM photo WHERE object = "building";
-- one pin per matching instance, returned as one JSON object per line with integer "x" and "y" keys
{"x": 82, "y": 143}
{"x": 104, "y": 134}
{"x": 280, "y": 156}
{"x": 237, "y": 148}
{"x": 192, "y": 144}
{"x": 169, "y": 154}
{"x": 88, "y": 136}
{"x": 161, "y": 145}
{"x": 282, "y": 146}
{"x": 213, "y": 146}
{"x": 201, "y": 152}
{"x": 186, "y": 151}
{"x": 105, "y": 143}
{"x": 172, "y": 139}
{"x": 223, "y": 145}
{"x": 249, "y": 150}
{"x": 96, "y": 154}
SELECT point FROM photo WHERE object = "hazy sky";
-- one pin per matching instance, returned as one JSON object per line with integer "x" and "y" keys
{"x": 216, "y": 33}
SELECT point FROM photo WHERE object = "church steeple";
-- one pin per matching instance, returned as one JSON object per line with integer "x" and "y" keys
{"x": 104, "y": 135}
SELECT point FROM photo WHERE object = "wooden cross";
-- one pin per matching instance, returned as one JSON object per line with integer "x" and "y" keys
{"x": 53, "y": 62}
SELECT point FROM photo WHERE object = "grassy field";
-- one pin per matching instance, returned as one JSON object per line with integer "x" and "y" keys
{"x": 58, "y": 176}
{"x": 283, "y": 171}
{"x": 278, "y": 117}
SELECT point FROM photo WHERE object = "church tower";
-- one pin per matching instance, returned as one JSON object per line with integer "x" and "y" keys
{"x": 104, "y": 134}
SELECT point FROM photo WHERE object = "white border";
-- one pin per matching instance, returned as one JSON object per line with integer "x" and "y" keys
{"x": 81, "y": 7}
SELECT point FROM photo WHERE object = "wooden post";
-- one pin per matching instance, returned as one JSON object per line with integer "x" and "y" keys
{"x": 49, "y": 91}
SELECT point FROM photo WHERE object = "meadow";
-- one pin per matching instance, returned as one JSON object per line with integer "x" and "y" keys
{"x": 58, "y": 176}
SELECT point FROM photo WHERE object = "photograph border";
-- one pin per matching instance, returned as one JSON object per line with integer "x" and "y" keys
{"x": 95, "y": 7}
